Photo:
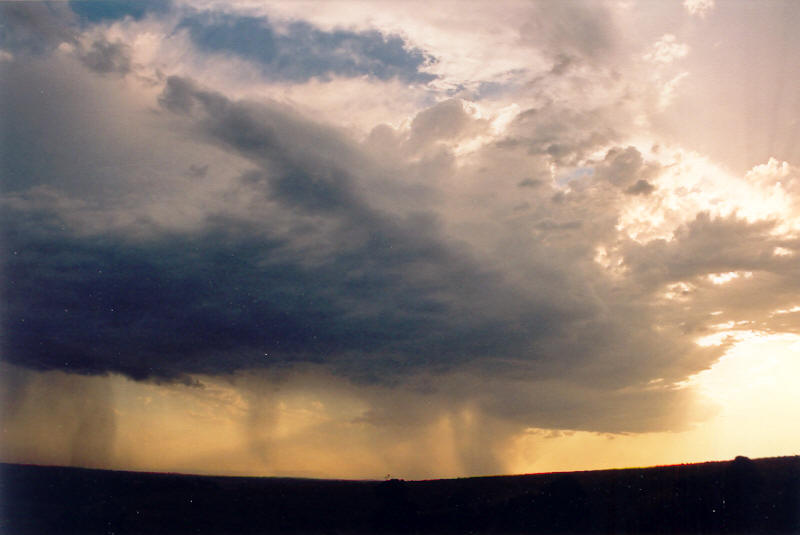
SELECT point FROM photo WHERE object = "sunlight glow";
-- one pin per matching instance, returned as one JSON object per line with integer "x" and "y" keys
{"x": 753, "y": 387}
{"x": 722, "y": 278}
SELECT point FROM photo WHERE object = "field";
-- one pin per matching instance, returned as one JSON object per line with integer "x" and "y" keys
{"x": 740, "y": 496}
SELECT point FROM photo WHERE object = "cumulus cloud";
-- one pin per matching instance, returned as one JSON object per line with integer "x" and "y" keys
{"x": 562, "y": 133}
{"x": 622, "y": 167}
{"x": 775, "y": 174}
{"x": 446, "y": 121}
{"x": 698, "y": 8}
{"x": 666, "y": 50}
{"x": 392, "y": 268}
{"x": 571, "y": 29}
{"x": 373, "y": 296}
{"x": 105, "y": 57}
{"x": 35, "y": 28}
{"x": 641, "y": 187}
{"x": 471, "y": 266}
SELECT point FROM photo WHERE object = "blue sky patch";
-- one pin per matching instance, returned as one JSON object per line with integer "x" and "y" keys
{"x": 575, "y": 175}
{"x": 300, "y": 51}
{"x": 117, "y": 9}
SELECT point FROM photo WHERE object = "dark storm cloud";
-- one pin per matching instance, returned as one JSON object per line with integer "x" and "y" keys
{"x": 64, "y": 128}
{"x": 39, "y": 27}
{"x": 190, "y": 235}
{"x": 105, "y": 57}
{"x": 230, "y": 298}
{"x": 300, "y": 51}
{"x": 298, "y": 265}
{"x": 34, "y": 27}
{"x": 392, "y": 298}
{"x": 564, "y": 134}
{"x": 567, "y": 321}
{"x": 641, "y": 187}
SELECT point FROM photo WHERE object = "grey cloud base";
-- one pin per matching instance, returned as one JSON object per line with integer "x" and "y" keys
{"x": 393, "y": 298}
{"x": 378, "y": 298}
{"x": 318, "y": 254}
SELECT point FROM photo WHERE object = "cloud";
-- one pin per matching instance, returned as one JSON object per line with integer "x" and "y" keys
{"x": 698, "y": 8}
{"x": 565, "y": 134}
{"x": 529, "y": 183}
{"x": 388, "y": 287}
{"x": 572, "y": 29}
{"x": 549, "y": 317}
{"x": 620, "y": 166}
{"x": 297, "y": 51}
{"x": 447, "y": 263}
{"x": 702, "y": 246}
{"x": 626, "y": 169}
{"x": 776, "y": 174}
{"x": 666, "y": 50}
{"x": 641, "y": 187}
{"x": 34, "y": 28}
{"x": 105, "y": 57}
{"x": 300, "y": 266}
{"x": 446, "y": 121}
{"x": 39, "y": 29}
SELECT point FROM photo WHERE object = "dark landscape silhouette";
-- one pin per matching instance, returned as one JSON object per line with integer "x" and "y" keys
{"x": 738, "y": 497}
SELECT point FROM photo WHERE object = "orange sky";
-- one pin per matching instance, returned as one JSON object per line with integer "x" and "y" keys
{"x": 742, "y": 407}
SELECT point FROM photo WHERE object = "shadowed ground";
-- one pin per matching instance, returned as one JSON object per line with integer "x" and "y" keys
{"x": 739, "y": 496}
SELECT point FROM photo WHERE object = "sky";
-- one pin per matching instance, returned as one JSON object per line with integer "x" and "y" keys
{"x": 417, "y": 239}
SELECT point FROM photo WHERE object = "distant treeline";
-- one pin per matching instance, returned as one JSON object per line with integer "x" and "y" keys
{"x": 737, "y": 497}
